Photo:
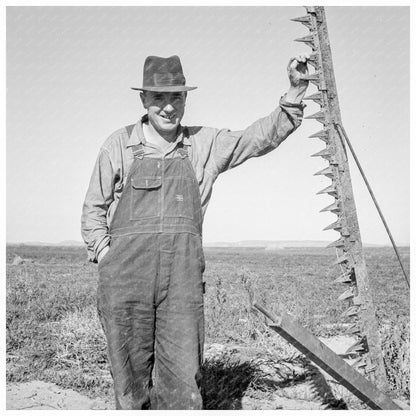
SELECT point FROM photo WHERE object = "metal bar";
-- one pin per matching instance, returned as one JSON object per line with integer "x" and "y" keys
{"x": 347, "y": 216}
{"x": 324, "y": 357}
{"x": 343, "y": 133}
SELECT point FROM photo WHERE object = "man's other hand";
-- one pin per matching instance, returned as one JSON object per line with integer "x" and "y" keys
{"x": 102, "y": 253}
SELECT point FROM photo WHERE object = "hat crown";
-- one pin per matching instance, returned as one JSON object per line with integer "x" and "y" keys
{"x": 163, "y": 74}
{"x": 159, "y": 72}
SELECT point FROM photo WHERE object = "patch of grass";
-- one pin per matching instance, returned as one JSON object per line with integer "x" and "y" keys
{"x": 79, "y": 357}
{"x": 36, "y": 296}
{"x": 53, "y": 333}
{"x": 396, "y": 351}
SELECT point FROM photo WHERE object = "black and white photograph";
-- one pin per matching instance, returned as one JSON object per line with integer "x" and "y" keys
{"x": 145, "y": 269}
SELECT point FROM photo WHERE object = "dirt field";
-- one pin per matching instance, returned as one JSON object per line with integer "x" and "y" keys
{"x": 307, "y": 394}
{"x": 56, "y": 351}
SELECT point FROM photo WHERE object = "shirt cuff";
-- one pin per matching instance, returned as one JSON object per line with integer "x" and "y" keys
{"x": 105, "y": 241}
{"x": 285, "y": 103}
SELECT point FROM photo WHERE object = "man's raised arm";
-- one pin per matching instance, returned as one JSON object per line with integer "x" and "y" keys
{"x": 231, "y": 148}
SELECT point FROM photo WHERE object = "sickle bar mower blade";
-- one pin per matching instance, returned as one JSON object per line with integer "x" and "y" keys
{"x": 349, "y": 246}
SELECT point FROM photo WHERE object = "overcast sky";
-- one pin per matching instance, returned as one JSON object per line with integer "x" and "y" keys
{"x": 69, "y": 73}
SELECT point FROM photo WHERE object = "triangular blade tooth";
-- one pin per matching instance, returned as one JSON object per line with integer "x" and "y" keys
{"x": 359, "y": 349}
{"x": 337, "y": 225}
{"x": 301, "y": 19}
{"x": 344, "y": 278}
{"x": 370, "y": 368}
{"x": 331, "y": 190}
{"x": 339, "y": 243}
{"x": 359, "y": 363}
{"x": 359, "y": 346}
{"x": 325, "y": 153}
{"x": 349, "y": 293}
{"x": 305, "y": 20}
{"x": 351, "y": 311}
{"x": 341, "y": 259}
{"x": 313, "y": 60}
{"x": 309, "y": 40}
{"x": 314, "y": 64}
{"x": 354, "y": 329}
{"x": 327, "y": 172}
{"x": 352, "y": 275}
{"x": 315, "y": 78}
{"x": 332, "y": 208}
{"x": 317, "y": 97}
{"x": 322, "y": 134}
{"x": 319, "y": 116}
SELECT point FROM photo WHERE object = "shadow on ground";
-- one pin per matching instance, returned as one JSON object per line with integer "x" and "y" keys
{"x": 225, "y": 382}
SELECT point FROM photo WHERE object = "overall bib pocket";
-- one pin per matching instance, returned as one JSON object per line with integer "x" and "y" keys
{"x": 145, "y": 197}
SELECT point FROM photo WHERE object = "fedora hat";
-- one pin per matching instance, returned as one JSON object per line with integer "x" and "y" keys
{"x": 163, "y": 74}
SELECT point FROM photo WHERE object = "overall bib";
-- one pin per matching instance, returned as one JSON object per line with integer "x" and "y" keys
{"x": 150, "y": 290}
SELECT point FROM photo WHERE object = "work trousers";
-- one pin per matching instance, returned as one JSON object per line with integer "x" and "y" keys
{"x": 150, "y": 304}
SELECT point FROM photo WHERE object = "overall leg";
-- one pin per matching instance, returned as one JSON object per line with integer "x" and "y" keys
{"x": 126, "y": 310}
{"x": 179, "y": 324}
{"x": 129, "y": 335}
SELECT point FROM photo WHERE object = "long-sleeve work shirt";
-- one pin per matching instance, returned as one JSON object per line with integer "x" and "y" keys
{"x": 211, "y": 151}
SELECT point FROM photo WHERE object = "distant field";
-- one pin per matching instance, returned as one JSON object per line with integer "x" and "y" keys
{"x": 53, "y": 333}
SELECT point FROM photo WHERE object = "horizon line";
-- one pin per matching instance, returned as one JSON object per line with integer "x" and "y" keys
{"x": 81, "y": 243}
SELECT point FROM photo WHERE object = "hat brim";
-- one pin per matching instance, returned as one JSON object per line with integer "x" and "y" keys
{"x": 175, "y": 88}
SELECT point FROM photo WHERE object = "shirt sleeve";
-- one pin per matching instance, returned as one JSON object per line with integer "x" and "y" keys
{"x": 231, "y": 148}
{"x": 100, "y": 195}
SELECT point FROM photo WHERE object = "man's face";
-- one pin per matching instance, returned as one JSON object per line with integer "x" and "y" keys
{"x": 165, "y": 109}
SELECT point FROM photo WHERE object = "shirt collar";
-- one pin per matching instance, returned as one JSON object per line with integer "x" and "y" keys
{"x": 137, "y": 135}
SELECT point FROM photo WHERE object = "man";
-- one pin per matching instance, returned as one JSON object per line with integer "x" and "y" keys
{"x": 142, "y": 223}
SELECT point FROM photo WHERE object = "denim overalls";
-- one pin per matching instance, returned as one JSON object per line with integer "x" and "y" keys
{"x": 150, "y": 290}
